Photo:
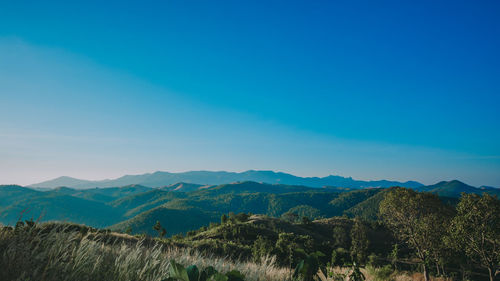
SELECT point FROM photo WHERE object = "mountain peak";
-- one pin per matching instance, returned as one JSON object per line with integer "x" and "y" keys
{"x": 163, "y": 179}
{"x": 452, "y": 188}
{"x": 455, "y": 182}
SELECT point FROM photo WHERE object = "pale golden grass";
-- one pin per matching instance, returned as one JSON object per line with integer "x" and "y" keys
{"x": 396, "y": 276}
{"x": 59, "y": 252}
{"x": 53, "y": 251}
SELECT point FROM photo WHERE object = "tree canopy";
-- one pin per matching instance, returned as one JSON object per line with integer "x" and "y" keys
{"x": 475, "y": 230}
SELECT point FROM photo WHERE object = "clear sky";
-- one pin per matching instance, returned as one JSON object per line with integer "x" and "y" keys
{"x": 403, "y": 90}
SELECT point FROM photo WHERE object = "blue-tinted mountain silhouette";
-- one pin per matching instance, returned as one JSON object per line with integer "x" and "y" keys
{"x": 159, "y": 179}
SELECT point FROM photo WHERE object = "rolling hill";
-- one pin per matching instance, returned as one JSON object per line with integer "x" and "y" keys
{"x": 173, "y": 220}
{"x": 183, "y": 187}
{"x": 454, "y": 188}
{"x": 184, "y": 206}
{"x": 19, "y": 202}
{"x": 103, "y": 207}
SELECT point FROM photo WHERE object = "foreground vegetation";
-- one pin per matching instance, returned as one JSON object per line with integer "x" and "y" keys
{"x": 62, "y": 251}
{"x": 415, "y": 232}
{"x": 401, "y": 234}
{"x": 53, "y": 251}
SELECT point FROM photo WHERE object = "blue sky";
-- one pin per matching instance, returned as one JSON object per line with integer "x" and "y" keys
{"x": 405, "y": 90}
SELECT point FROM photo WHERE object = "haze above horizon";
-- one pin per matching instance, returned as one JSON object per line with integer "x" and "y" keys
{"x": 387, "y": 90}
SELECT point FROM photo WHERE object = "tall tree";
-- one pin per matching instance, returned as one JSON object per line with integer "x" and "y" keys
{"x": 476, "y": 230}
{"x": 340, "y": 237}
{"x": 223, "y": 219}
{"x": 161, "y": 231}
{"x": 417, "y": 219}
{"x": 359, "y": 242}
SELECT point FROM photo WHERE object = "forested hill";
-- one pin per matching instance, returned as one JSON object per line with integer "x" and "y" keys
{"x": 184, "y": 207}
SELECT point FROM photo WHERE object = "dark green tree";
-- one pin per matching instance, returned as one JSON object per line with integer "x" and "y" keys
{"x": 241, "y": 217}
{"x": 359, "y": 242}
{"x": 290, "y": 217}
{"x": 418, "y": 219}
{"x": 232, "y": 217}
{"x": 307, "y": 268}
{"x": 285, "y": 246}
{"x": 161, "y": 231}
{"x": 476, "y": 230}
{"x": 261, "y": 247}
{"x": 223, "y": 219}
{"x": 306, "y": 220}
{"x": 128, "y": 230}
{"x": 340, "y": 237}
{"x": 340, "y": 257}
{"x": 394, "y": 255}
{"x": 290, "y": 247}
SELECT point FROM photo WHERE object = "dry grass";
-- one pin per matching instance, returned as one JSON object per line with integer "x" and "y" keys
{"x": 70, "y": 252}
{"x": 417, "y": 277}
{"x": 396, "y": 276}
{"x": 56, "y": 251}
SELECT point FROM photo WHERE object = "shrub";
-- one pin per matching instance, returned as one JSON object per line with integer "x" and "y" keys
{"x": 341, "y": 257}
{"x": 383, "y": 273}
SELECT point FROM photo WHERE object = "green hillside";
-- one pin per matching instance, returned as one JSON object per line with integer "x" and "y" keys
{"x": 137, "y": 205}
{"x": 454, "y": 188}
{"x": 348, "y": 200}
{"x": 12, "y": 193}
{"x": 53, "y": 207}
{"x": 104, "y": 195}
{"x": 367, "y": 209}
{"x": 183, "y": 187}
{"x": 252, "y": 237}
{"x": 173, "y": 220}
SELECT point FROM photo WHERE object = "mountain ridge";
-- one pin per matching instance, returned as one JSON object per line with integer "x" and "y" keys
{"x": 162, "y": 179}
{"x": 454, "y": 188}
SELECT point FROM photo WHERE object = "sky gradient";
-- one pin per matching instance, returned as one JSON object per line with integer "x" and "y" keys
{"x": 400, "y": 90}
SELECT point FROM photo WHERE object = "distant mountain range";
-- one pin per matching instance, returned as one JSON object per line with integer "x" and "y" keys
{"x": 160, "y": 179}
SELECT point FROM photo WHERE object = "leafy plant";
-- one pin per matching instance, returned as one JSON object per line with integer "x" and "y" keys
{"x": 178, "y": 272}
{"x": 192, "y": 273}
{"x": 384, "y": 273}
{"x": 234, "y": 275}
{"x": 307, "y": 268}
{"x": 356, "y": 274}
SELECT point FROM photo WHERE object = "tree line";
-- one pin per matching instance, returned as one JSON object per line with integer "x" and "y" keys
{"x": 440, "y": 235}
{"x": 414, "y": 231}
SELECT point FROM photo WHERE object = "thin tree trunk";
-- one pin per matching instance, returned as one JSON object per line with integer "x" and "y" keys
{"x": 490, "y": 271}
{"x": 437, "y": 268}
{"x": 426, "y": 274}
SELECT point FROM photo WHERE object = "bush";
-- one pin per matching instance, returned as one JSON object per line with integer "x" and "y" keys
{"x": 341, "y": 257}
{"x": 374, "y": 260}
{"x": 241, "y": 217}
{"x": 383, "y": 273}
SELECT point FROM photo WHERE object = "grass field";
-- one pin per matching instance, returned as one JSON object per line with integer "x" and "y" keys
{"x": 63, "y": 251}
{"x": 53, "y": 251}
